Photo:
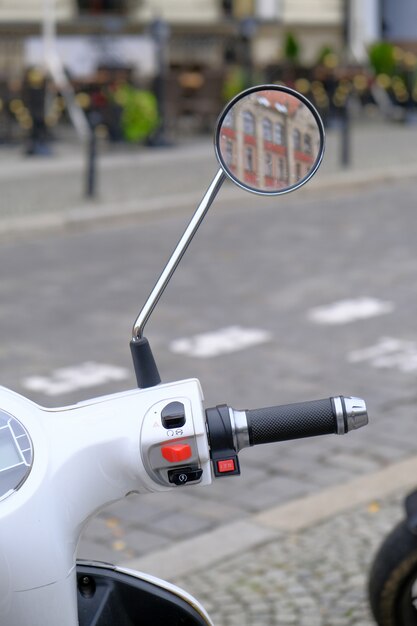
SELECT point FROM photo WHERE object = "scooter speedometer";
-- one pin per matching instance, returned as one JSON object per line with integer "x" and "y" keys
{"x": 16, "y": 454}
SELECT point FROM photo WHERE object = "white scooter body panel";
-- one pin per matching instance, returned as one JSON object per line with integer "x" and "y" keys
{"x": 84, "y": 457}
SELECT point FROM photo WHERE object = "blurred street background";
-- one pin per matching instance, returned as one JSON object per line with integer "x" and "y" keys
{"x": 107, "y": 114}
{"x": 155, "y": 72}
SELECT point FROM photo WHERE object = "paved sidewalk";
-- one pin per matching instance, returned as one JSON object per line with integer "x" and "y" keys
{"x": 304, "y": 563}
{"x": 43, "y": 192}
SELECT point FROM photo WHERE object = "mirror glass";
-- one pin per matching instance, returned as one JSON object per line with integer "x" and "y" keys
{"x": 270, "y": 140}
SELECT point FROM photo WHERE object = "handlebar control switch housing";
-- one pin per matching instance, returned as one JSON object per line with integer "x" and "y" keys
{"x": 173, "y": 439}
{"x": 221, "y": 434}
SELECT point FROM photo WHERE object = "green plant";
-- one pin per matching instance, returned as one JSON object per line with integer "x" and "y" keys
{"x": 291, "y": 49}
{"x": 139, "y": 112}
{"x": 234, "y": 83}
{"x": 382, "y": 58}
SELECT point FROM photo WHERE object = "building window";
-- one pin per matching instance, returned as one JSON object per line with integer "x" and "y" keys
{"x": 279, "y": 134}
{"x": 229, "y": 120}
{"x": 102, "y": 6}
{"x": 249, "y": 159}
{"x": 307, "y": 144}
{"x": 281, "y": 168}
{"x": 228, "y": 156}
{"x": 267, "y": 129}
{"x": 248, "y": 123}
{"x": 268, "y": 164}
{"x": 297, "y": 139}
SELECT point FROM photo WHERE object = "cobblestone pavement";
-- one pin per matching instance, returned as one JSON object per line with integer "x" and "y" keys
{"x": 316, "y": 577}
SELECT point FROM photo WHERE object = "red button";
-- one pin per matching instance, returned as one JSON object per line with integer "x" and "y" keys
{"x": 227, "y": 465}
{"x": 176, "y": 452}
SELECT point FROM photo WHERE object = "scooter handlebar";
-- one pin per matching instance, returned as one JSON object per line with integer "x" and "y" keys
{"x": 305, "y": 419}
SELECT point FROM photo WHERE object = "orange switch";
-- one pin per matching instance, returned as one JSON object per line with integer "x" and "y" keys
{"x": 176, "y": 452}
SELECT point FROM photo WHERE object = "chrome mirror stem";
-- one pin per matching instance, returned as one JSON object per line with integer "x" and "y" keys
{"x": 177, "y": 255}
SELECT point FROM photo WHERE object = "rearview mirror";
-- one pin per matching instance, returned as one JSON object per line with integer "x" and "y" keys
{"x": 269, "y": 140}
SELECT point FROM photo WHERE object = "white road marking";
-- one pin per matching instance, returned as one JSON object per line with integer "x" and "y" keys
{"x": 223, "y": 341}
{"x": 388, "y": 352}
{"x": 346, "y": 311}
{"x": 67, "y": 379}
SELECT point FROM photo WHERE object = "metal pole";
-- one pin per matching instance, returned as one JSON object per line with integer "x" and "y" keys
{"x": 90, "y": 190}
{"x": 345, "y": 126}
{"x": 247, "y": 31}
{"x": 160, "y": 32}
{"x": 345, "y": 135}
{"x": 84, "y": 128}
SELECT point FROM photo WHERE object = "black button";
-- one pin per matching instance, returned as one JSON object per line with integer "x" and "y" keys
{"x": 184, "y": 475}
{"x": 173, "y": 415}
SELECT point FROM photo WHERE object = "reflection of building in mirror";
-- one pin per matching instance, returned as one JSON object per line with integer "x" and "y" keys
{"x": 269, "y": 140}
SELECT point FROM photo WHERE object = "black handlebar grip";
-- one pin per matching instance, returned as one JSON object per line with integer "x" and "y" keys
{"x": 291, "y": 421}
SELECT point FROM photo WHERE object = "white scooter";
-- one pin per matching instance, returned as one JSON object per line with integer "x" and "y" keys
{"x": 58, "y": 467}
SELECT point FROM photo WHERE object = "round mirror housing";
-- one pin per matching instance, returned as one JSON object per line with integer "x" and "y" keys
{"x": 269, "y": 140}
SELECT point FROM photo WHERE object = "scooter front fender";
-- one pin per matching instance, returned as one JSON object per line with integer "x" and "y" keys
{"x": 113, "y": 596}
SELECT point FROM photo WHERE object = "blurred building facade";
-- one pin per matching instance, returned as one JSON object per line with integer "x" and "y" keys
{"x": 202, "y": 31}
{"x": 269, "y": 142}
{"x": 194, "y": 54}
